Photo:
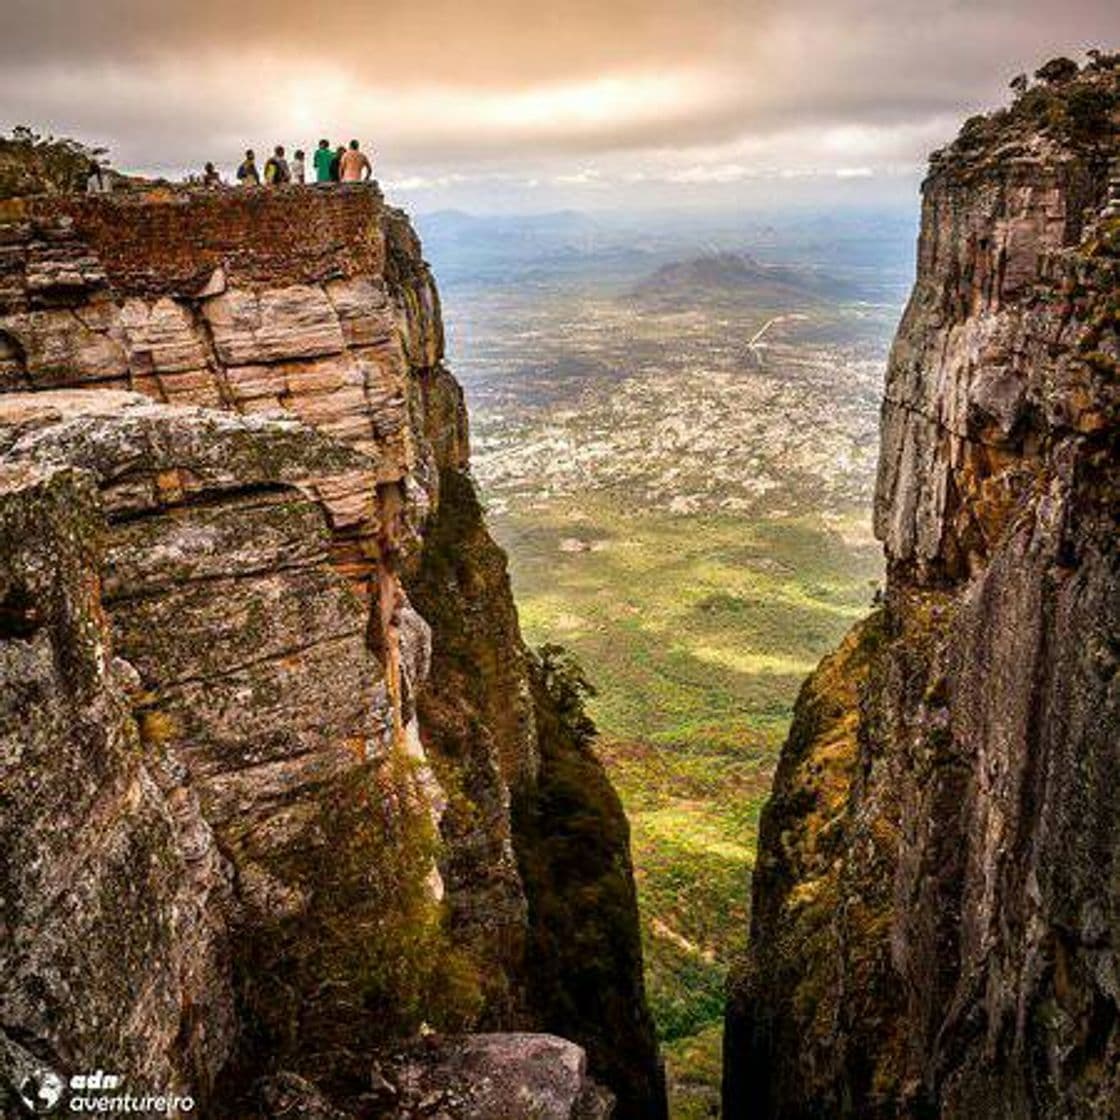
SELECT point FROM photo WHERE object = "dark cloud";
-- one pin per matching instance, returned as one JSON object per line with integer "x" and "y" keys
{"x": 480, "y": 42}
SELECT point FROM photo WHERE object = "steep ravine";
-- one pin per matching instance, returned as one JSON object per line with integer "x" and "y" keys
{"x": 936, "y": 903}
{"x": 281, "y": 781}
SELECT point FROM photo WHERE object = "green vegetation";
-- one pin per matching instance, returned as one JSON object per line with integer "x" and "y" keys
{"x": 1075, "y": 105}
{"x": 697, "y": 632}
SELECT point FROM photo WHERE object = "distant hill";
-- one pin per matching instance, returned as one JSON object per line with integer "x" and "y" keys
{"x": 842, "y": 255}
{"x": 742, "y": 274}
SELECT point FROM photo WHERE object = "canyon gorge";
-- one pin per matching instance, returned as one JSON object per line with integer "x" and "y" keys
{"x": 295, "y": 823}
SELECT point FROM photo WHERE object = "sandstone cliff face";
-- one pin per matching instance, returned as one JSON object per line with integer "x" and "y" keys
{"x": 110, "y": 878}
{"x": 254, "y": 680}
{"x": 247, "y": 390}
{"x": 935, "y": 916}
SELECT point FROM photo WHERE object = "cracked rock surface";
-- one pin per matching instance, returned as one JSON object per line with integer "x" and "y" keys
{"x": 285, "y": 799}
{"x": 935, "y": 912}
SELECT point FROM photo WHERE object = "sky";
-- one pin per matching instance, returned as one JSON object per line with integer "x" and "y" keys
{"x": 494, "y": 105}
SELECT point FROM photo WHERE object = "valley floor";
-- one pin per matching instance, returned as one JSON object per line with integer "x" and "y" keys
{"x": 690, "y": 516}
{"x": 697, "y": 632}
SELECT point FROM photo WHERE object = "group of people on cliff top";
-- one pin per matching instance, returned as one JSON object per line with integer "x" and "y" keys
{"x": 338, "y": 165}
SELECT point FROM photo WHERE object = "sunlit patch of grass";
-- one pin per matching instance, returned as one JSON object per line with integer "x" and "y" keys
{"x": 691, "y": 825}
{"x": 746, "y": 662}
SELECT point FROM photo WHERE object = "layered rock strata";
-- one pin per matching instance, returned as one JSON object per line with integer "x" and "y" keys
{"x": 112, "y": 884}
{"x": 935, "y": 907}
{"x": 249, "y": 387}
{"x": 253, "y": 681}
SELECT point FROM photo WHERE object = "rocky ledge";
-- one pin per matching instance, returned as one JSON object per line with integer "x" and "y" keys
{"x": 281, "y": 780}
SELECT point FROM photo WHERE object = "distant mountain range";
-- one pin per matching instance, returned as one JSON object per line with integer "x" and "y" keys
{"x": 841, "y": 255}
{"x": 741, "y": 274}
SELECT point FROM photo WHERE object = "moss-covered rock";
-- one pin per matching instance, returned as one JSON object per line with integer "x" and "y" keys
{"x": 558, "y": 887}
{"x": 113, "y": 896}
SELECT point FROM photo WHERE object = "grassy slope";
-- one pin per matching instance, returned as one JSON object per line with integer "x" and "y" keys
{"x": 697, "y": 632}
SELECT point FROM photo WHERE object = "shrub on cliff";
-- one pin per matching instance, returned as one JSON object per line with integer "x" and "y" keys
{"x": 1102, "y": 60}
{"x": 563, "y": 678}
{"x": 35, "y": 164}
{"x": 1088, "y": 111}
{"x": 1057, "y": 71}
{"x": 1071, "y": 105}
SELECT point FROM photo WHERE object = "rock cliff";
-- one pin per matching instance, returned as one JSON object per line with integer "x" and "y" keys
{"x": 936, "y": 913}
{"x": 267, "y": 713}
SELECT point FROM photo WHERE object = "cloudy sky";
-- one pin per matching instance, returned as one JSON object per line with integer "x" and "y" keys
{"x": 520, "y": 103}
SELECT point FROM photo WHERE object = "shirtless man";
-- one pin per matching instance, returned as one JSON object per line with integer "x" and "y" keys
{"x": 353, "y": 167}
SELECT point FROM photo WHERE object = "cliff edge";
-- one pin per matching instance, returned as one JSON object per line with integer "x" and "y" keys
{"x": 275, "y": 756}
{"x": 935, "y": 914}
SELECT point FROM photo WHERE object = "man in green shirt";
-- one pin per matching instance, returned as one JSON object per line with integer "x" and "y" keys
{"x": 322, "y": 161}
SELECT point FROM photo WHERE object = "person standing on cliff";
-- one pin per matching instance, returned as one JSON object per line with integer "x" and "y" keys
{"x": 247, "y": 173}
{"x": 95, "y": 181}
{"x": 336, "y": 163}
{"x": 354, "y": 167}
{"x": 299, "y": 173}
{"x": 276, "y": 170}
{"x": 322, "y": 162}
